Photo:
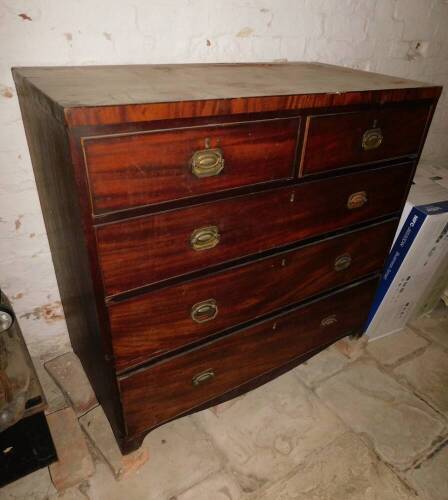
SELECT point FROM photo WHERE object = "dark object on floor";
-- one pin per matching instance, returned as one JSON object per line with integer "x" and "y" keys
{"x": 25, "y": 447}
{"x": 25, "y": 441}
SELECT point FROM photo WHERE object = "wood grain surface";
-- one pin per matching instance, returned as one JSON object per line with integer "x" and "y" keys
{"x": 335, "y": 140}
{"x": 106, "y": 95}
{"x": 146, "y": 168}
{"x": 152, "y": 248}
{"x": 160, "y": 392}
{"x": 155, "y": 322}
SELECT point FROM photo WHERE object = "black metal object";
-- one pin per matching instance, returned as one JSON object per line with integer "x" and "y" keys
{"x": 25, "y": 440}
{"x": 25, "y": 447}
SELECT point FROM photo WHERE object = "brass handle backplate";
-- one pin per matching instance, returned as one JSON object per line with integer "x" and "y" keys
{"x": 202, "y": 378}
{"x": 357, "y": 200}
{"x": 372, "y": 139}
{"x": 329, "y": 320}
{"x": 204, "y": 311}
{"x": 207, "y": 162}
{"x": 342, "y": 262}
{"x": 204, "y": 238}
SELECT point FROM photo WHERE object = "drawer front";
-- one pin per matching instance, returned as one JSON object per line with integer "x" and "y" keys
{"x": 152, "y": 167}
{"x": 170, "y": 388}
{"x": 163, "y": 320}
{"x": 156, "y": 247}
{"x": 346, "y": 139}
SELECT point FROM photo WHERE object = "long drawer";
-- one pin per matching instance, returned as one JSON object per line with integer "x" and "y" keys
{"x": 144, "y": 168}
{"x": 170, "y": 388}
{"x": 152, "y": 248}
{"x": 162, "y": 320}
{"x": 344, "y": 139}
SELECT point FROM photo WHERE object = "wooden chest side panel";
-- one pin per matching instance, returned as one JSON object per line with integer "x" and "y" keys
{"x": 49, "y": 147}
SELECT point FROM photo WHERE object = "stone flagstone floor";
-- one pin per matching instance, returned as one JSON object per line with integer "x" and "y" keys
{"x": 335, "y": 428}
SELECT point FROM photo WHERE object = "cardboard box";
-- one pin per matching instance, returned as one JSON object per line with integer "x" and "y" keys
{"x": 434, "y": 292}
{"x": 417, "y": 254}
{"x": 428, "y": 173}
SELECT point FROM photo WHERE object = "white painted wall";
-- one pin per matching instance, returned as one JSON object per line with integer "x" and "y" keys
{"x": 376, "y": 35}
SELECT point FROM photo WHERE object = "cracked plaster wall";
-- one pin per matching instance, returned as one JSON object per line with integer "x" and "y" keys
{"x": 407, "y": 38}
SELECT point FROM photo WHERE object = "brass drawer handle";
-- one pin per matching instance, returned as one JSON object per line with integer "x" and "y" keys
{"x": 207, "y": 162}
{"x": 357, "y": 200}
{"x": 342, "y": 262}
{"x": 204, "y": 238}
{"x": 204, "y": 311}
{"x": 372, "y": 139}
{"x": 202, "y": 378}
{"x": 329, "y": 320}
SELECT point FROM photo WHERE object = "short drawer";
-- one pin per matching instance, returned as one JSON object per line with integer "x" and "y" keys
{"x": 145, "y": 168}
{"x": 166, "y": 319}
{"x": 348, "y": 139}
{"x": 178, "y": 385}
{"x": 155, "y": 247}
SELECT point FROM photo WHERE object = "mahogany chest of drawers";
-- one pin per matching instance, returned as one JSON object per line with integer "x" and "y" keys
{"x": 213, "y": 226}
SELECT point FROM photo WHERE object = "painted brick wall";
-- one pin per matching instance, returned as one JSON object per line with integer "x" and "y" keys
{"x": 407, "y": 38}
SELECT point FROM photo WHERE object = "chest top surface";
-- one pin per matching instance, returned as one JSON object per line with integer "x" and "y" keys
{"x": 122, "y": 85}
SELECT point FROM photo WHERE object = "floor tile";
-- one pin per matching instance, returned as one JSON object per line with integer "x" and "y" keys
{"x": 103, "y": 486}
{"x": 35, "y": 486}
{"x": 74, "y": 493}
{"x": 220, "y": 486}
{"x": 352, "y": 347}
{"x": 222, "y": 407}
{"x": 391, "y": 349}
{"x": 69, "y": 375}
{"x": 271, "y": 430}
{"x": 431, "y": 478}
{"x": 97, "y": 427}
{"x": 74, "y": 463}
{"x": 321, "y": 366}
{"x": 344, "y": 470}
{"x": 435, "y": 326}
{"x": 428, "y": 375}
{"x": 180, "y": 456}
{"x": 400, "y": 425}
{"x": 55, "y": 399}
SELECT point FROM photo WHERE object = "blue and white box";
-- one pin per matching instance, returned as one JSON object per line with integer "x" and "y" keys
{"x": 418, "y": 252}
